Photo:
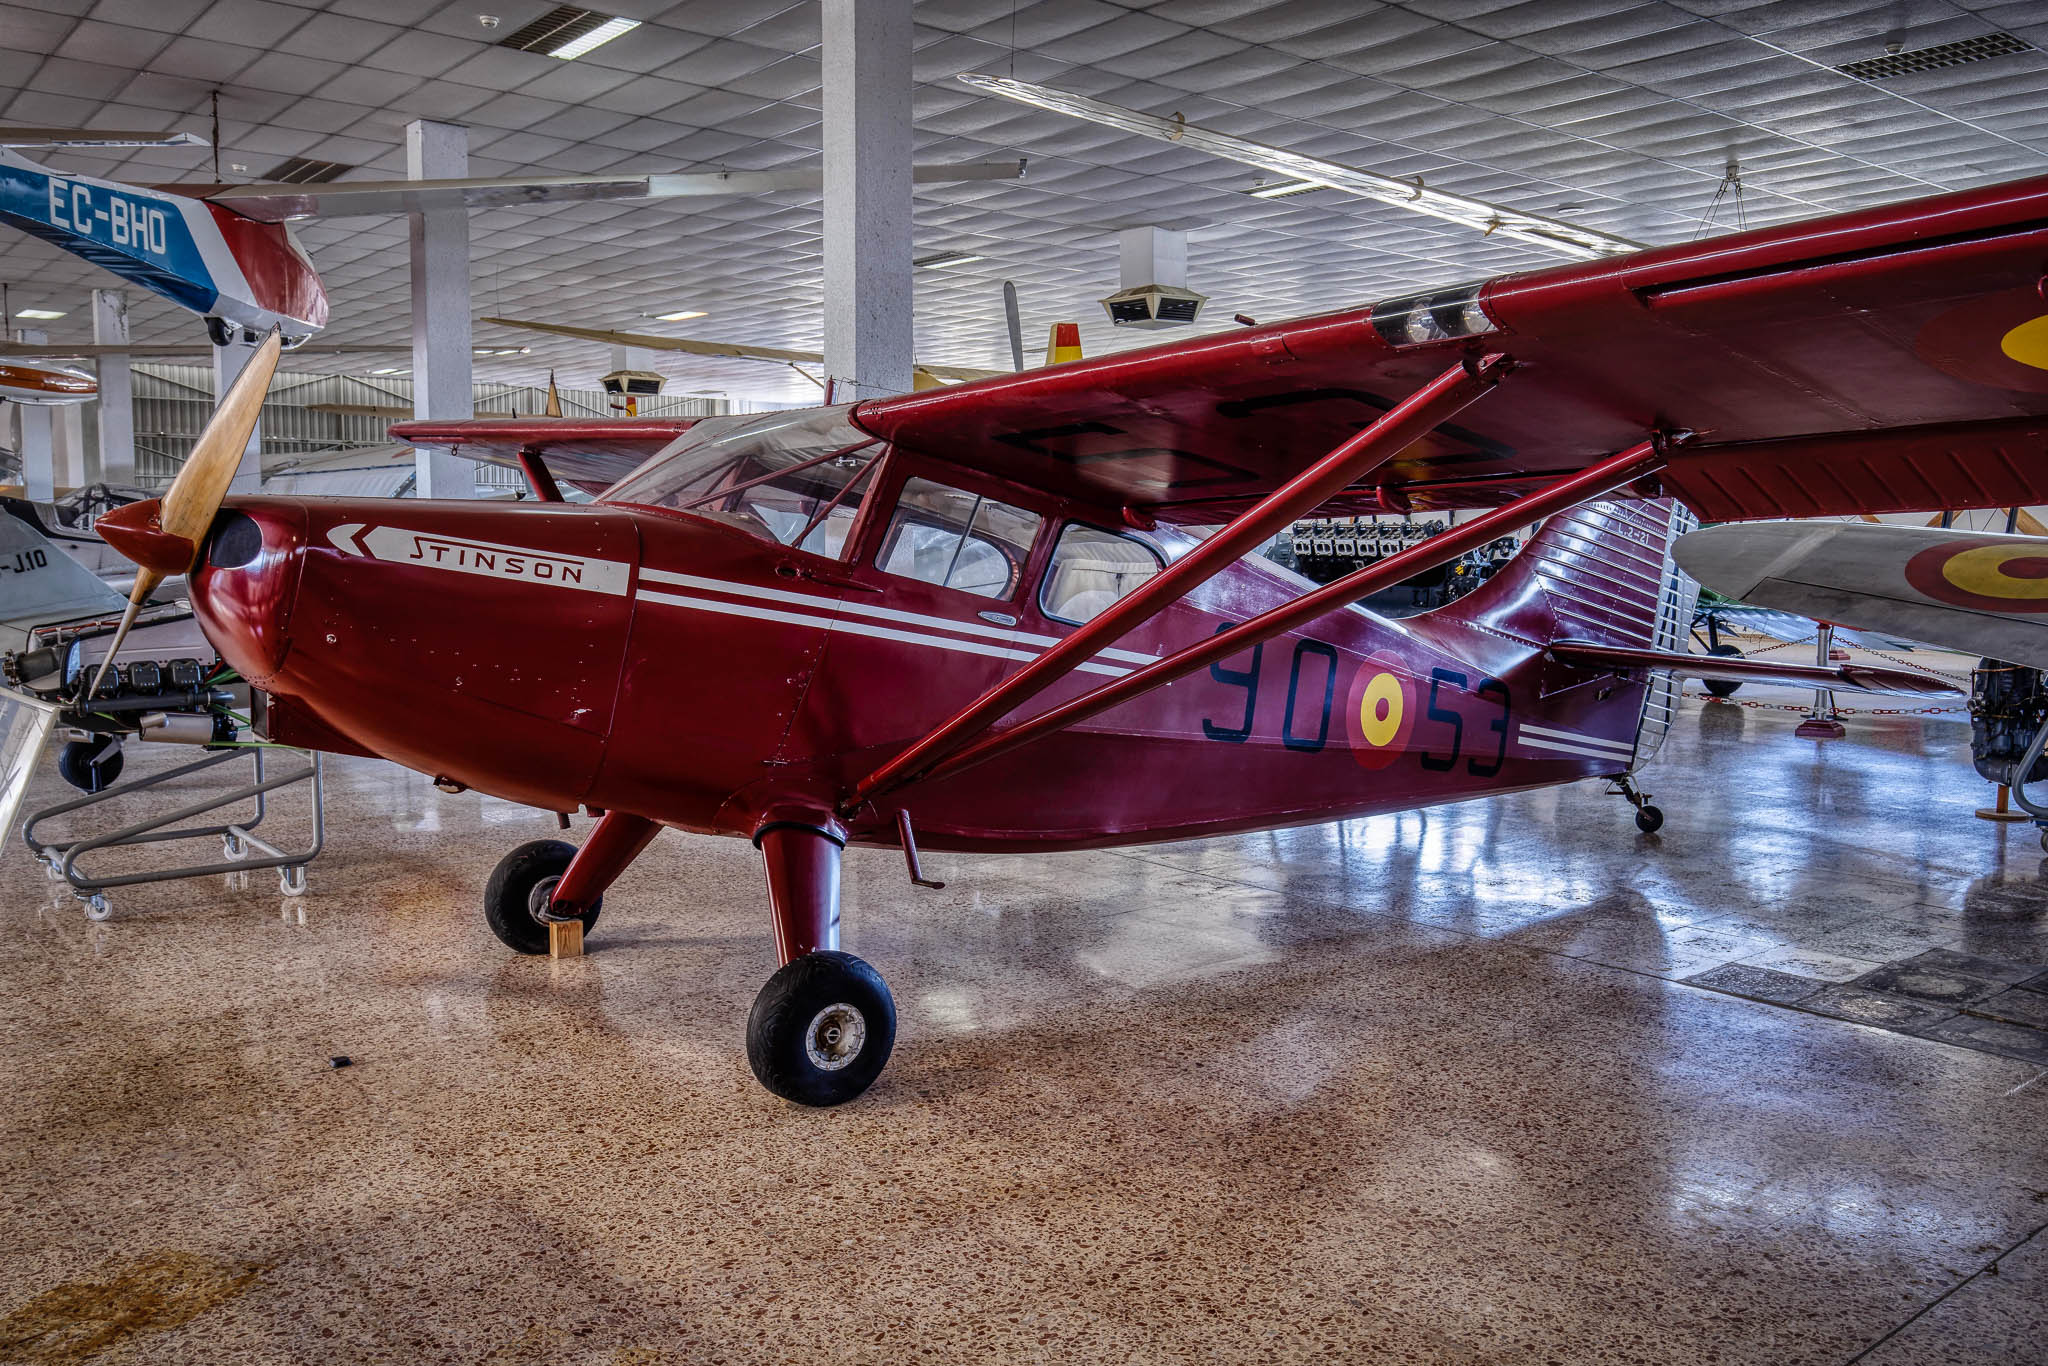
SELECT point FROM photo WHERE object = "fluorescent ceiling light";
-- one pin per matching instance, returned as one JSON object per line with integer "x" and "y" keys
{"x": 1285, "y": 189}
{"x": 1571, "y": 239}
{"x": 596, "y": 38}
{"x": 679, "y": 316}
{"x": 392, "y": 370}
{"x": 500, "y": 350}
{"x": 40, "y": 314}
{"x": 943, "y": 259}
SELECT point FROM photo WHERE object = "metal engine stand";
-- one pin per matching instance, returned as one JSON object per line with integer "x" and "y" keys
{"x": 238, "y": 841}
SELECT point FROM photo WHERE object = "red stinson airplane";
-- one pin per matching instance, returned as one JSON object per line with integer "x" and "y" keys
{"x": 973, "y": 618}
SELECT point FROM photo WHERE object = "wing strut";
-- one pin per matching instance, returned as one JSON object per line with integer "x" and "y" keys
{"x": 1591, "y": 482}
{"x": 1391, "y": 433}
{"x": 538, "y": 477}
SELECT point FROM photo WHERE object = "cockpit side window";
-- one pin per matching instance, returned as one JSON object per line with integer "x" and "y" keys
{"x": 1091, "y": 569}
{"x": 958, "y": 540}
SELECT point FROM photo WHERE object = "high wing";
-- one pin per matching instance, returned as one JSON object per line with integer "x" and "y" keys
{"x": 1960, "y": 589}
{"x": 273, "y": 203}
{"x": 1891, "y": 359}
{"x": 590, "y": 452}
{"x": 736, "y": 350}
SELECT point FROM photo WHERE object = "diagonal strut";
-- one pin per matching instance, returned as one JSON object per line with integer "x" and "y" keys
{"x": 1588, "y": 483}
{"x": 1392, "y": 432}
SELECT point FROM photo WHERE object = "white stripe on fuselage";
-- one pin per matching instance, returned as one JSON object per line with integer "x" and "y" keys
{"x": 858, "y": 628}
{"x": 879, "y": 613}
{"x": 1624, "y": 746}
{"x": 1535, "y": 743}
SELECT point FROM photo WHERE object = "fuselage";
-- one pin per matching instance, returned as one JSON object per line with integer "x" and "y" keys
{"x": 201, "y": 256}
{"x": 45, "y": 383}
{"x": 675, "y": 666}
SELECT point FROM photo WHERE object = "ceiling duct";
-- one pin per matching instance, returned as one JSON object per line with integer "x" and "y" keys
{"x": 558, "y": 28}
{"x": 1935, "y": 58}
{"x": 1154, "y": 276}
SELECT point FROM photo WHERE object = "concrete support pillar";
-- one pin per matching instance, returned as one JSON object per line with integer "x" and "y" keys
{"x": 38, "y": 448}
{"x": 117, "y": 390}
{"x": 228, "y": 362}
{"x": 67, "y": 446}
{"x": 867, "y": 197}
{"x": 441, "y": 355}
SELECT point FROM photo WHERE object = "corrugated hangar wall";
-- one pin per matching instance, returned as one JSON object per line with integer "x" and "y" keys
{"x": 326, "y": 412}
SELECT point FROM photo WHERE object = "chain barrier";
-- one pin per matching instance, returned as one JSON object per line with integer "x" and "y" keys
{"x": 1963, "y": 679}
{"x": 1948, "y": 676}
{"x": 1839, "y": 711}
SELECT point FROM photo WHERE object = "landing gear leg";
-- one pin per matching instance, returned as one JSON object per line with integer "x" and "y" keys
{"x": 822, "y": 1028}
{"x": 550, "y": 880}
{"x": 1649, "y": 819}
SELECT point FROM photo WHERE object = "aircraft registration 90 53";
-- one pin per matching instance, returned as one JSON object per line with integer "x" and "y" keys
{"x": 971, "y": 616}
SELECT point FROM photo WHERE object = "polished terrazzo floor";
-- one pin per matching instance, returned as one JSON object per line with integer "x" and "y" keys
{"x": 1428, "y": 1088}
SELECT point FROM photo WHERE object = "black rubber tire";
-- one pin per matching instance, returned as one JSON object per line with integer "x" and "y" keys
{"x": 91, "y": 765}
{"x": 1649, "y": 819}
{"x": 506, "y": 907}
{"x": 1721, "y": 687}
{"x": 792, "y": 1001}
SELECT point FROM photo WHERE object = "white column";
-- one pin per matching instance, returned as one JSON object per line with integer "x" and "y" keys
{"x": 117, "y": 389}
{"x": 441, "y": 355}
{"x": 867, "y": 196}
{"x": 228, "y": 362}
{"x": 67, "y": 445}
{"x": 38, "y": 451}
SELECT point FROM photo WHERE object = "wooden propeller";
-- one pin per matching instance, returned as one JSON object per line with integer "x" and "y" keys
{"x": 163, "y": 536}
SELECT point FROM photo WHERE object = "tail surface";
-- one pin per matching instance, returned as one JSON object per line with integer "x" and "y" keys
{"x": 1602, "y": 573}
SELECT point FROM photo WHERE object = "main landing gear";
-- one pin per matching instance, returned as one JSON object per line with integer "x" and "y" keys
{"x": 1649, "y": 819}
{"x": 822, "y": 1028}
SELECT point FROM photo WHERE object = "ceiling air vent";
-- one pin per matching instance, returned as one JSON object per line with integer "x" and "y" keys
{"x": 558, "y": 29}
{"x": 305, "y": 171}
{"x": 1935, "y": 58}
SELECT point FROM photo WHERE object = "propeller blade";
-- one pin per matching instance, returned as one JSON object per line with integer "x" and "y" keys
{"x": 163, "y": 536}
{"x": 1016, "y": 322}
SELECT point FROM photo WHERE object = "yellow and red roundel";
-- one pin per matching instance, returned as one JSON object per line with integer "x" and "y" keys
{"x": 1995, "y": 576}
{"x": 1999, "y": 339}
{"x": 1380, "y": 705}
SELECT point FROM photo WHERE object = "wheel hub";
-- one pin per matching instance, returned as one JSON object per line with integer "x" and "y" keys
{"x": 541, "y": 898}
{"x": 835, "y": 1036}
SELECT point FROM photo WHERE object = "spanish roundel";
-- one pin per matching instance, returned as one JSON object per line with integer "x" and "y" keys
{"x": 2005, "y": 576}
{"x": 1379, "y": 709}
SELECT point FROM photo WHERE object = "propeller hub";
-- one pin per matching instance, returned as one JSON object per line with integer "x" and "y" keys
{"x": 136, "y": 530}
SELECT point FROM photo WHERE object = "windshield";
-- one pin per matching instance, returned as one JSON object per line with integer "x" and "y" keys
{"x": 792, "y": 477}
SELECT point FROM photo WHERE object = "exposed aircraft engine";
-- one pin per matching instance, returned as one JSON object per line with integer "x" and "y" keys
{"x": 2008, "y": 704}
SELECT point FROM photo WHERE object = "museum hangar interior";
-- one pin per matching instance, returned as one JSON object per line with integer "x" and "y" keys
{"x": 1239, "y": 679}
